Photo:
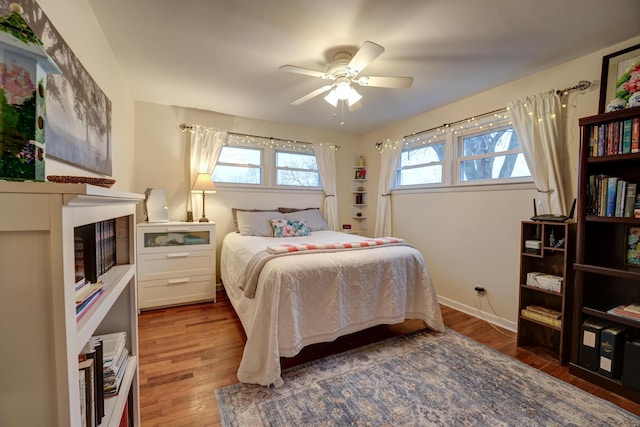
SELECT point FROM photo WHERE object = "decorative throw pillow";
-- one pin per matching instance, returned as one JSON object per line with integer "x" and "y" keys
{"x": 289, "y": 228}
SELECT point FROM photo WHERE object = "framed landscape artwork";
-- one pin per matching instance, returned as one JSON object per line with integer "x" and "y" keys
{"x": 78, "y": 119}
{"x": 615, "y": 74}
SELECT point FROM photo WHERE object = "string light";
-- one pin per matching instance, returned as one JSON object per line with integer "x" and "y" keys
{"x": 265, "y": 142}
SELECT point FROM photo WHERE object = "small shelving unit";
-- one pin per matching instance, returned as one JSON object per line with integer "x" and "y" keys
{"x": 554, "y": 257}
{"x": 360, "y": 197}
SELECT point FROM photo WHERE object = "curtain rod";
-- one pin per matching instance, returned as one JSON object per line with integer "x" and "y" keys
{"x": 185, "y": 127}
{"x": 582, "y": 85}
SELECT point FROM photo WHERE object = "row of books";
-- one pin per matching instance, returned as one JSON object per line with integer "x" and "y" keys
{"x": 604, "y": 346}
{"x": 621, "y": 137}
{"x": 542, "y": 314}
{"x": 631, "y": 311}
{"x": 101, "y": 367}
{"x": 612, "y": 196}
{"x": 87, "y": 293}
{"x": 95, "y": 249}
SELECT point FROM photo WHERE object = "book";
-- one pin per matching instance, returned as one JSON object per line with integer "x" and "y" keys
{"x": 634, "y": 308}
{"x": 86, "y": 369}
{"x": 611, "y": 348}
{"x": 621, "y": 191}
{"x": 626, "y": 136}
{"x": 620, "y": 311}
{"x": 635, "y": 135}
{"x": 630, "y": 198}
{"x": 541, "y": 318}
{"x": 93, "y": 350}
{"x": 87, "y": 291}
{"x": 82, "y": 309}
{"x": 612, "y": 186}
{"x": 553, "y": 314}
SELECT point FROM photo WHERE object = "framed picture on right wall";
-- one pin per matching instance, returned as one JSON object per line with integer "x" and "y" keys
{"x": 632, "y": 246}
{"x": 616, "y": 81}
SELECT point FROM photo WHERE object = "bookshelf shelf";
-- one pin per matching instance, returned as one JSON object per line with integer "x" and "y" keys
{"x": 604, "y": 280}
{"x": 38, "y": 319}
{"x": 553, "y": 256}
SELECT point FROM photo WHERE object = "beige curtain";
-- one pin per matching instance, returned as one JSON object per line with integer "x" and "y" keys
{"x": 389, "y": 158}
{"x": 538, "y": 121}
{"x": 326, "y": 159}
{"x": 206, "y": 144}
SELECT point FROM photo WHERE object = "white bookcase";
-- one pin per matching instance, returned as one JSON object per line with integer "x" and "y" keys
{"x": 40, "y": 336}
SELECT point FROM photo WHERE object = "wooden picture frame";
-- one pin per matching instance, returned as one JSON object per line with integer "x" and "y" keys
{"x": 632, "y": 246}
{"x": 614, "y": 66}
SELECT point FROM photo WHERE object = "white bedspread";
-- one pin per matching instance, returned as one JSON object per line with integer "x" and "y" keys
{"x": 317, "y": 297}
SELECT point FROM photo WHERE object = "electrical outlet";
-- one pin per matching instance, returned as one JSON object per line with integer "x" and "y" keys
{"x": 480, "y": 291}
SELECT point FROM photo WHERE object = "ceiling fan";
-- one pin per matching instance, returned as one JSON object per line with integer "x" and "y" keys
{"x": 344, "y": 71}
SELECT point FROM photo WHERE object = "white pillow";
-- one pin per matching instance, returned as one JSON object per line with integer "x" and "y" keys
{"x": 256, "y": 223}
{"x": 312, "y": 217}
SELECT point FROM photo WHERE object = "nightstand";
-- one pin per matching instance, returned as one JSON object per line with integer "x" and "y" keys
{"x": 176, "y": 263}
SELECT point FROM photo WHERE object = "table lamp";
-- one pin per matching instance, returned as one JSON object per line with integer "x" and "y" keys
{"x": 203, "y": 183}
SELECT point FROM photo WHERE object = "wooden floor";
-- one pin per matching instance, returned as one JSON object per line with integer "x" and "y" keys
{"x": 188, "y": 352}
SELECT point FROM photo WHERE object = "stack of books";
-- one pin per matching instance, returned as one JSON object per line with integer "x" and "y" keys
{"x": 91, "y": 383}
{"x": 115, "y": 357}
{"x": 631, "y": 311}
{"x": 87, "y": 293}
{"x": 612, "y": 196}
{"x": 545, "y": 315}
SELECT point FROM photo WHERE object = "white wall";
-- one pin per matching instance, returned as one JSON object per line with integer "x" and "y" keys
{"x": 76, "y": 23}
{"x": 162, "y": 161}
{"x": 472, "y": 237}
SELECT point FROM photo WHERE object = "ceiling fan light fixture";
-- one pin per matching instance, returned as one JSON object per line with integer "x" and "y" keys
{"x": 343, "y": 90}
{"x": 354, "y": 97}
{"x": 332, "y": 97}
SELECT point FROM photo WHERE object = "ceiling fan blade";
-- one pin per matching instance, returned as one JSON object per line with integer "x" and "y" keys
{"x": 307, "y": 72}
{"x": 390, "y": 82}
{"x": 313, "y": 94}
{"x": 356, "y": 106}
{"x": 363, "y": 57}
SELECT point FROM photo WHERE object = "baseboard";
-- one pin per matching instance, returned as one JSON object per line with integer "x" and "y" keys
{"x": 473, "y": 311}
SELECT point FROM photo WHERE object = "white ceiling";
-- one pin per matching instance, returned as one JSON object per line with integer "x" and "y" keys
{"x": 224, "y": 55}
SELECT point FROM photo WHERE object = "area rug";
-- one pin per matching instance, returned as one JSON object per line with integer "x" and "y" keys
{"x": 420, "y": 379}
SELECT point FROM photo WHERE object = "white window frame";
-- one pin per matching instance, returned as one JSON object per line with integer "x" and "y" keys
{"x": 425, "y": 143}
{"x": 459, "y": 159}
{"x": 277, "y": 168}
{"x": 451, "y": 165}
{"x": 261, "y": 167}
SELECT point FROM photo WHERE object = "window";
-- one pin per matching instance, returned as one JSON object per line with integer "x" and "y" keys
{"x": 421, "y": 165}
{"x": 239, "y": 165}
{"x": 490, "y": 155}
{"x": 296, "y": 169}
{"x": 471, "y": 152}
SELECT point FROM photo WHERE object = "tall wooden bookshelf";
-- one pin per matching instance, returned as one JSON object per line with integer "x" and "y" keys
{"x": 603, "y": 277}
{"x": 41, "y": 338}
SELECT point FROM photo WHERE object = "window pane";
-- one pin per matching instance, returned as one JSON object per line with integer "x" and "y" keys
{"x": 488, "y": 143}
{"x": 295, "y": 160}
{"x": 422, "y": 155}
{"x": 298, "y": 178}
{"x": 509, "y": 166}
{"x": 241, "y": 156}
{"x": 420, "y": 175}
{"x": 236, "y": 174}
{"x": 296, "y": 169}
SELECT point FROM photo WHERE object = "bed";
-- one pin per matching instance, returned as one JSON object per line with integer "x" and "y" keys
{"x": 312, "y": 293}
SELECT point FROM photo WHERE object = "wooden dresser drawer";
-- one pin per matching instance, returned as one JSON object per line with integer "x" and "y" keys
{"x": 177, "y": 290}
{"x": 175, "y": 264}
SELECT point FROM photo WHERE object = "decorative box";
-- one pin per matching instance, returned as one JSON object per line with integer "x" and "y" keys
{"x": 24, "y": 65}
{"x": 545, "y": 281}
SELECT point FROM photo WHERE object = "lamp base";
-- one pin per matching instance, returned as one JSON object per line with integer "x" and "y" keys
{"x": 203, "y": 219}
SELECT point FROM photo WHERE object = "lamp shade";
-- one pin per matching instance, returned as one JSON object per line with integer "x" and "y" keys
{"x": 203, "y": 182}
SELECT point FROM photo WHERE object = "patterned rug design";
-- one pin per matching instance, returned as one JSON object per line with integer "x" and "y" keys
{"x": 420, "y": 379}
